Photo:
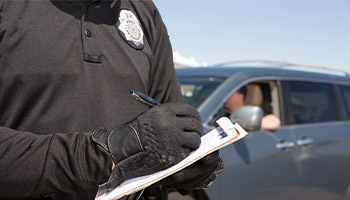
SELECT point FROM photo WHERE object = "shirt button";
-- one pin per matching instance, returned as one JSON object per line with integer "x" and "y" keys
{"x": 88, "y": 33}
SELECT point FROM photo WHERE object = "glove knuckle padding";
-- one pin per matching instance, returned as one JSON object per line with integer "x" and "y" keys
{"x": 163, "y": 148}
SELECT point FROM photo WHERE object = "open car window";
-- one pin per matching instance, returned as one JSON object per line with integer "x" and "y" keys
{"x": 260, "y": 93}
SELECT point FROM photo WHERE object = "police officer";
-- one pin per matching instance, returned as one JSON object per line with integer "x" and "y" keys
{"x": 67, "y": 120}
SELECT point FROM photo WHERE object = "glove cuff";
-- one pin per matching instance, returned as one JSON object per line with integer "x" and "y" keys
{"x": 124, "y": 142}
{"x": 121, "y": 142}
{"x": 100, "y": 136}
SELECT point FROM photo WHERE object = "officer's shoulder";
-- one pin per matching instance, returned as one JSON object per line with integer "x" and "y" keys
{"x": 149, "y": 5}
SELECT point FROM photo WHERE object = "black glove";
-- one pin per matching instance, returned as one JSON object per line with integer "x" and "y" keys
{"x": 199, "y": 175}
{"x": 157, "y": 139}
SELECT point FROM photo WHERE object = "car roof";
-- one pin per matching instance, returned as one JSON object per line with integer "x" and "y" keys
{"x": 227, "y": 71}
{"x": 207, "y": 71}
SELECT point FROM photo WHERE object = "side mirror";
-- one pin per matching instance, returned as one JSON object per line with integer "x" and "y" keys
{"x": 249, "y": 117}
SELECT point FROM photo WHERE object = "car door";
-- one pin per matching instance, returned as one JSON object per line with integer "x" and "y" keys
{"x": 261, "y": 165}
{"x": 322, "y": 139}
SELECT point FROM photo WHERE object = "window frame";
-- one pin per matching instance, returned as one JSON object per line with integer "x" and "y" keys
{"x": 346, "y": 111}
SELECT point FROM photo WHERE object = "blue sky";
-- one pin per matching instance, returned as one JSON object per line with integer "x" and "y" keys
{"x": 311, "y": 32}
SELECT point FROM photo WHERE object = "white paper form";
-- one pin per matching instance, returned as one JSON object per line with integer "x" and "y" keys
{"x": 223, "y": 135}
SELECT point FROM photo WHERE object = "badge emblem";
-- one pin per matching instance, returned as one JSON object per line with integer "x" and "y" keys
{"x": 130, "y": 28}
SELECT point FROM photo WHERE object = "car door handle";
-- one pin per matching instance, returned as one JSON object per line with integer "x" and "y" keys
{"x": 305, "y": 141}
{"x": 284, "y": 145}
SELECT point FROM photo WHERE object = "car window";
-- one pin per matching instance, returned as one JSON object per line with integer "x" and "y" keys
{"x": 196, "y": 89}
{"x": 345, "y": 91}
{"x": 261, "y": 93}
{"x": 311, "y": 102}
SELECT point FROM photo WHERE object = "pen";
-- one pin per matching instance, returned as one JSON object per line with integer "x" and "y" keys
{"x": 139, "y": 96}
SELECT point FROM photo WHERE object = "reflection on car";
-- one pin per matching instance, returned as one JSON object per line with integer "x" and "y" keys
{"x": 306, "y": 157}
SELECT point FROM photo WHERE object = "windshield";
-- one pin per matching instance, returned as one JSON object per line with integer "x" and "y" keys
{"x": 196, "y": 89}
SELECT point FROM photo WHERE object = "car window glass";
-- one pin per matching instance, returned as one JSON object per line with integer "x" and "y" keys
{"x": 312, "y": 102}
{"x": 196, "y": 89}
{"x": 345, "y": 91}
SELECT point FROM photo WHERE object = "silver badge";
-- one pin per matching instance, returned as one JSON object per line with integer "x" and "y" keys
{"x": 131, "y": 28}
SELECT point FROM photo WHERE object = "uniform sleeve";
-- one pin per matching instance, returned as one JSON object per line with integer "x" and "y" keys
{"x": 164, "y": 85}
{"x": 34, "y": 165}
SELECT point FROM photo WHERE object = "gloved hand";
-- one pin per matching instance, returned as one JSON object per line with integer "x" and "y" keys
{"x": 199, "y": 175}
{"x": 157, "y": 139}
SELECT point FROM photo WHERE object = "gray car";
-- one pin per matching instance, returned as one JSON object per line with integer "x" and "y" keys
{"x": 307, "y": 157}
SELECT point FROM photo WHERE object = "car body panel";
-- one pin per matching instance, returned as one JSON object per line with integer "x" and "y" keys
{"x": 252, "y": 171}
{"x": 324, "y": 161}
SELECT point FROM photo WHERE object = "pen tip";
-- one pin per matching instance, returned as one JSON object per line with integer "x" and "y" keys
{"x": 131, "y": 91}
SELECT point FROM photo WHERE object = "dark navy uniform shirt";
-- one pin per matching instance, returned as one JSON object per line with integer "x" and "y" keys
{"x": 66, "y": 68}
